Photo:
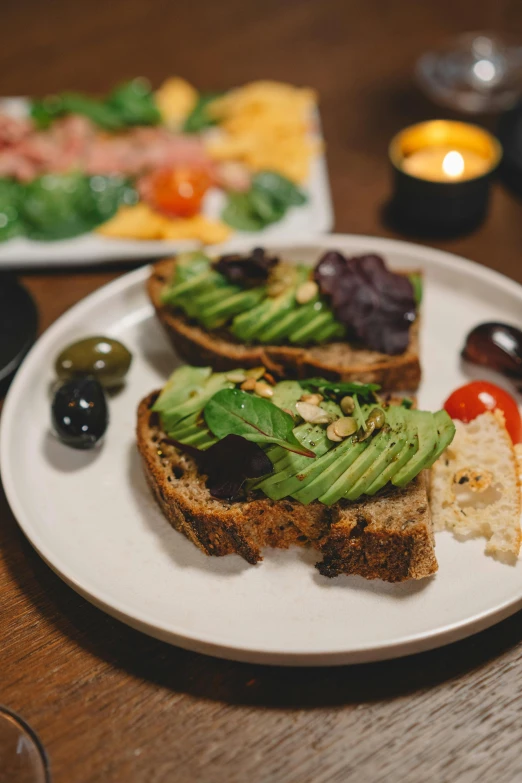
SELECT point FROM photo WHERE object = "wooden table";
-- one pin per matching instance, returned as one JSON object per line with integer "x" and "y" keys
{"x": 113, "y": 705}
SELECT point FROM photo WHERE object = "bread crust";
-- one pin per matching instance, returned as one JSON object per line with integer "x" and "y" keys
{"x": 335, "y": 361}
{"x": 387, "y": 537}
{"x": 390, "y": 535}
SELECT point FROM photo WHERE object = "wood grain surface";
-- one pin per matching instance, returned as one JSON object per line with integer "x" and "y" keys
{"x": 113, "y": 705}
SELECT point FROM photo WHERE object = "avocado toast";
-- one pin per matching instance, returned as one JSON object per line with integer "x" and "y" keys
{"x": 252, "y": 310}
{"x": 238, "y": 463}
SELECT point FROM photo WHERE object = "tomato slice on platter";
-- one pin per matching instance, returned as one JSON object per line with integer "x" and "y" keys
{"x": 472, "y": 399}
{"x": 179, "y": 192}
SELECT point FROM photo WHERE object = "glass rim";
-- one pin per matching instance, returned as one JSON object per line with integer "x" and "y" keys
{"x": 33, "y": 735}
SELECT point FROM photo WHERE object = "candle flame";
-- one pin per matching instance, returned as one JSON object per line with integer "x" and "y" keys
{"x": 453, "y": 164}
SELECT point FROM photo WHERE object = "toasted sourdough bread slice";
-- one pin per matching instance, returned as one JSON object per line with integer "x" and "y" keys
{"x": 475, "y": 486}
{"x": 387, "y": 537}
{"x": 335, "y": 361}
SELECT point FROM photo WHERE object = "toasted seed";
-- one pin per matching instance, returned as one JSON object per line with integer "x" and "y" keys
{"x": 312, "y": 413}
{"x": 237, "y": 376}
{"x": 269, "y": 378}
{"x": 313, "y": 399}
{"x": 255, "y": 372}
{"x": 263, "y": 389}
{"x": 276, "y": 288}
{"x": 306, "y": 292}
{"x": 347, "y": 405}
{"x": 364, "y": 432}
{"x": 249, "y": 384}
{"x": 378, "y": 417}
{"x": 331, "y": 433}
{"x": 345, "y": 426}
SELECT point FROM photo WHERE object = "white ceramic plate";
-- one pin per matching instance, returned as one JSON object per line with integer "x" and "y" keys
{"x": 315, "y": 217}
{"x": 92, "y": 518}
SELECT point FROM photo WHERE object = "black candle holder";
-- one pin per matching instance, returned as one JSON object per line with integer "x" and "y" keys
{"x": 441, "y": 208}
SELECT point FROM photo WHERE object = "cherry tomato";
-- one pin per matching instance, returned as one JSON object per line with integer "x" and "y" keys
{"x": 179, "y": 192}
{"x": 476, "y": 397}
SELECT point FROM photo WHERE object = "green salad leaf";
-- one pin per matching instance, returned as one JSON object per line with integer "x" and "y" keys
{"x": 132, "y": 103}
{"x": 416, "y": 281}
{"x": 240, "y": 213}
{"x": 234, "y": 412}
{"x": 280, "y": 189}
{"x": 60, "y": 206}
{"x": 267, "y": 201}
{"x": 340, "y": 388}
{"x": 200, "y": 118}
{"x": 10, "y": 221}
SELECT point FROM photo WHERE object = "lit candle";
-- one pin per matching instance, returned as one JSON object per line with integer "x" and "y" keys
{"x": 444, "y": 164}
{"x": 442, "y": 171}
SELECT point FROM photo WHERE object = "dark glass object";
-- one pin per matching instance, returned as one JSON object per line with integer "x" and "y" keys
{"x": 497, "y": 346}
{"x": 79, "y": 413}
{"x": 18, "y": 327}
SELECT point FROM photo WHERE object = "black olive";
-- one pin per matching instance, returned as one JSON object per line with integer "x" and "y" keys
{"x": 79, "y": 413}
{"x": 497, "y": 346}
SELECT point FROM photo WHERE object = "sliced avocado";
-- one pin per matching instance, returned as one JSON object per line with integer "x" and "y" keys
{"x": 306, "y": 434}
{"x": 286, "y": 394}
{"x": 314, "y": 481}
{"x": 187, "y": 427}
{"x": 397, "y": 438}
{"x": 251, "y": 326}
{"x": 182, "y": 383}
{"x": 245, "y": 325}
{"x": 276, "y": 332}
{"x": 409, "y": 449}
{"x": 189, "y": 265}
{"x": 201, "y": 438}
{"x": 213, "y": 295}
{"x": 428, "y": 439}
{"x": 222, "y": 311}
{"x": 307, "y": 332}
{"x": 297, "y": 317}
{"x": 330, "y": 331}
{"x": 195, "y": 403}
{"x": 331, "y": 407}
{"x": 353, "y": 472}
{"x": 275, "y": 485}
{"x": 446, "y": 433}
{"x": 172, "y": 295}
{"x": 309, "y": 435}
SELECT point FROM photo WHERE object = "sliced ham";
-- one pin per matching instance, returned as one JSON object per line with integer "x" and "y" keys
{"x": 73, "y": 142}
{"x": 13, "y": 130}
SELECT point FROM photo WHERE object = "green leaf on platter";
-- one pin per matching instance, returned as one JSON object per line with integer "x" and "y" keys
{"x": 10, "y": 220}
{"x": 59, "y": 206}
{"x": 280, "y": 188}
{"x": 239, "y": 212}
{"x": 134, "y": 103}
{"x": 200, "y": 118}
{"x": 232, "y": 411}
{"x": 131, "y": 103}
{"x": 267, "y": 201}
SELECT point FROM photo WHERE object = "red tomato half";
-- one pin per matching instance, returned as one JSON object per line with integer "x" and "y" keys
{"x": 179, "y": 192}
{"x": 476, "y": 397}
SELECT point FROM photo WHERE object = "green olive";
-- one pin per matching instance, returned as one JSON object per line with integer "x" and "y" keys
{"x": 103, "y": 358}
